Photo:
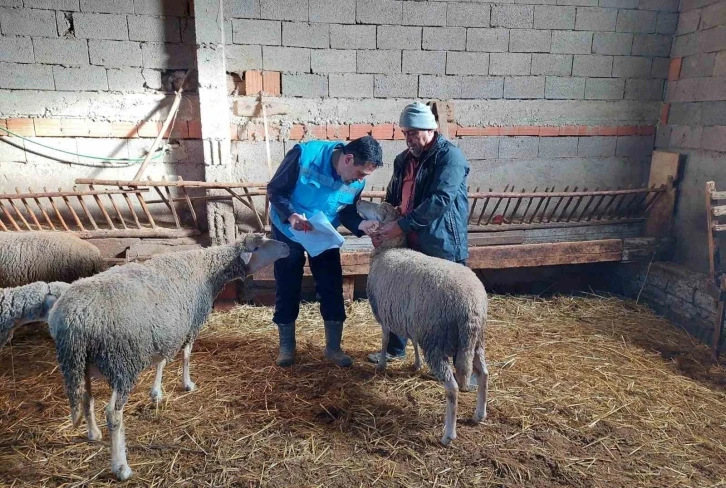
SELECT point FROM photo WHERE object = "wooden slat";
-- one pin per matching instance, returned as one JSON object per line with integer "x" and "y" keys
{"x": 73, "y": 213}
{"x": 719, "y": 228}
{"x": 718, "y": 195}
{"x": 88, "y": 214}
{"x": 189, "y": 204}
{"x": 61, "y": 193}
{"x": 29, "y": 210}
{"x": 103, "y": 209}
{"x": 57, "y": 212}
{"x": 19, "y": 214}
{"x": 42, "y": 211}
{"x": 9, "y": 217}
{"x": 719, "y": 211}
{"x": 124, "y": 233}
{"x": 118, "y": 212}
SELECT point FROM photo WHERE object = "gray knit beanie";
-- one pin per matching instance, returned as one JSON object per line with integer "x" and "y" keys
{"x": 417, "y": 116}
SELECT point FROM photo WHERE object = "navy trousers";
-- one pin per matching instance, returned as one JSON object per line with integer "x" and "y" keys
{"x": 327, "y": 273}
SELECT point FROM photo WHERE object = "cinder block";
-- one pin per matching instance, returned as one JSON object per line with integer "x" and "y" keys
{"x": 154, "y": 29}
{"x": 518, "y": 147}
{"x": 651, "y": 45}
{"x": 424, "y": 62}
{"x": 711, "y": 89}
{"x": 243, "y": 9}
{"x": 241, "y": 58}
{"x": 510, "y": 63}
{"x": 66, "y": 5}
{"x": 659, "y": 5}
{"x": 596, "y": 19}
{"x": 444, "y": 38}
{"x": 126, "y": 79}
{"x": 333, "y": 61}
{"x": 524, "y": 87}
{"x": 468, "y": 14}
{"x": 687, "y": 136}
{"x": 552, "y": 64}
{"x": 619, "y": 3}
{"x": 686, "y": 45}
{"x": 667, "y": 23}
{"x": 439, "y": 86}
{"x": 379, "y": 12}
{"x": 304, "y": 85}
{"x": 108, "y": 6}
{"x": 467, "y": 63}
{"x": 558, "y": 147}
{"x": 69, "y": 52}
{"x": 46, "y": 156}
{"x": 596, "y": 147}
{"x": 714, "y": 113}
{"x": 379, "y": 61}
{"x": 155, "y": 7}
{"x": 604, "y": 89}
{"x": 290, "y": 59}
{"x": 266, "y": 32}
{"x": 660, "y": 68}
{"x": 488, "y": 40}
{"x": 101, "y": 26}
{"x": 28, "y": 22}
{"x": 398, "y": 37}
{"x": 395, "y": 86}
{"x": 177, "y": 56}
{"x": 637, "y": 21}
{"x": 18, "y": 49}
{"x": 115, "y": 54}
{"x": 550, "y": 17}
{"x": 719, "y": 67}
{"x": 592, "y": 66}
{"x": 643, "y": 89}
{"x": 353, "y": 36}
{"x": 302, "y": 34}
{"x": 684, "y": 90}
{"x": 688, "y": 22}
{"x": 12, "y": 148}
{"x": 686, "y": 113}
{"x": 513, "y": 16}
{"x": 612, "y": 43}
{"x": 564, "y": 88}
{"x": 530, "y": 41}
{"x": 634, "y": 146}
{"x": 284, "y": 10}
{"x": 26, "y": 76}
{"x": 424, "y": 13}
{"x": 698, "y": 66}
{"x": 340, "y": 11}
{"x": 349, "y": 85}
{"x": 713, "y": 16}
{"x": 80, "y": 79}
{"x": 712, "y": 40}
{"x": 482, "y": 87}
{"x": 714, "y": 138}
{"x": 631, "y": 67}
{"x": 480, "y": 147}
{"x": 579, "y": 3}
{"x": 565, "y": 42}
{"x": 663, "y": 136}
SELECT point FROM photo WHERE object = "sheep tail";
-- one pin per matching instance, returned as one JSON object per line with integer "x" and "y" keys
{"x": 468, "y": 341}
{"x": 72, "y": 360}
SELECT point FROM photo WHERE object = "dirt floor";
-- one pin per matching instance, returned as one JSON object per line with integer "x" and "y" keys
{"x": 586, "y": 392}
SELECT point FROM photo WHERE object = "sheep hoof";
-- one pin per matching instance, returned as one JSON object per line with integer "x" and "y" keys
{"x": 95, "y": 434}
{"x": 155, "y": 395}
{"x": 478, "y": 417}
{"x": 446, "y": 440}
{"x": 191, "y": 386}
{"x": 123, "y": 472}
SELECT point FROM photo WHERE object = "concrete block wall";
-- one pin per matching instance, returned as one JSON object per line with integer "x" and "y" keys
{"x": 694, "y": 119}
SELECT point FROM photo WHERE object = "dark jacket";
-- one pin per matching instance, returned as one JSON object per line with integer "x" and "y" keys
{"x": 440, "y": 204}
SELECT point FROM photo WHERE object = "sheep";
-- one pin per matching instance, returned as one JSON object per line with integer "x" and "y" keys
{"x": 27, "y": 257}
{"x": 442, "y": 306}
{"x": 117, "y": 323}
{"x": 24, "y": 304}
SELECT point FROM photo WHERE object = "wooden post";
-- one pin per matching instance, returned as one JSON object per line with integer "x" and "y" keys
{"x": 348, "y": 288}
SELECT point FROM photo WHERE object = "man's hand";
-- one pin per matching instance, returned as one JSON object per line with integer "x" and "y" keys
{"x": 390, "y": 230}
{"x": 368, "y": 226}
{"x": 299, "y": 222}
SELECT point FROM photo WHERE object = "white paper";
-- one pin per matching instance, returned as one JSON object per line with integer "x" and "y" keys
{"x": 323, "y": 237}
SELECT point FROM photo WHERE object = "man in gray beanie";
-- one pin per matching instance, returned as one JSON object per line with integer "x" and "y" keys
{"x": 429, "y": 187}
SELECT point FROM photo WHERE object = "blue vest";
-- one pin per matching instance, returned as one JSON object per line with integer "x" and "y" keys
{"x": 318, "y": 187}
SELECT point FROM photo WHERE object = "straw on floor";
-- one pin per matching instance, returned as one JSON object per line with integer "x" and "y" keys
{"x": 584, "y": 391}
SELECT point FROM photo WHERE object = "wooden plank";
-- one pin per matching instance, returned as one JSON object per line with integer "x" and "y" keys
{"x": 123, "y": 233}
{"x": 498, "y": 239}
{"x": 662, "y": 165}
{"x": 719, "y": 211}
{"x": 644, "y": 248}
{"x": 661, "y": 218}
{"x": 719, "y": 227}
{"x": 713, "y": 248}
{"x": 718, "y": 195}
{"x": 348, "y": 288}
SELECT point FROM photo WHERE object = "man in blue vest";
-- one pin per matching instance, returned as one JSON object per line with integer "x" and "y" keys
{"x": 325, "y": 176}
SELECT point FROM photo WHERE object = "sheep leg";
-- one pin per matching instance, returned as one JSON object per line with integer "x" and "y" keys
{"x": 115, "y": 421}
{"x": 94, "y": 433}
{"x": 480, "y": 366}
{"x": 187, "y": 382}
{"x": 156, "y": 388}
{"x": 384, "y": 347}
{"x": 417, "y": 360}
{"x": 441, "y": 366}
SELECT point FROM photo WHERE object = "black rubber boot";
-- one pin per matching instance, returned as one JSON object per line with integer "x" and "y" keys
{"x": 286, "y": 356}
{"x": 333, "y": 335}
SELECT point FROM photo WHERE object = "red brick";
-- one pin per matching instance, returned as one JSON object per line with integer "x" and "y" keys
{"x": 47, "y": 127}
{"x": 297, "y": 131}
{"x": 568, "y": 130}
{"x": 360, "y": 130}
{"x": 195, "y": 129}
{"x": 22, "y": 127}
{"x": 549, "y": 131}
{"x": 589, "y": 130}
{"x": 674, "y": 70}
{"x": 253, "y": 82}
{"x": 125, "y": 130}
{"x": 468, "y": 131}
{"x": 646, "y": 130}
{"x": 337, "y": 132}
{"x": 507, "y": 131}
{"x": 627, "y": 130}
{"x": 256, "y": 131}
{"x": 99, "y": 128}
{"x": 383, "y": 132}
{"x": 397, "y": 133}
{"x": 318, "y": 131}
{"x": 664, "y": 111}
{"x": 75, "y": 128}
{"x": 604, "y": 130}
{"x": 527, "y": 130}
{"x": 491, "y": 131}
{"x": 271, "y": 84}
{"x": 149, "y": 128}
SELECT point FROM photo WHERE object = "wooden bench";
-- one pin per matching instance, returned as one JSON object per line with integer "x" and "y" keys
{"x": 716, "y": 274}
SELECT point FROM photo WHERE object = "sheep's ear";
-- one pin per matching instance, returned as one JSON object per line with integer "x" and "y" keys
{"x": 245, "y": 257}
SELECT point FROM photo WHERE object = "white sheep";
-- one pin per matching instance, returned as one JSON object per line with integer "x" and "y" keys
{"x": 117, "y": 323}
{"x": 27, "y": 257}
{"x": 24, "y": 304}
{"x": 438, "y": 304}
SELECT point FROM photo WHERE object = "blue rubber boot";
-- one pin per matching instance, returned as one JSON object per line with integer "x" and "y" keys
{"x": 333, "y": 335}
{"x": 286, "y": 356}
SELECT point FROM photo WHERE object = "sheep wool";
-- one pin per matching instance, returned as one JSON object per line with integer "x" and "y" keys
{"x": 24, "y": 304}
